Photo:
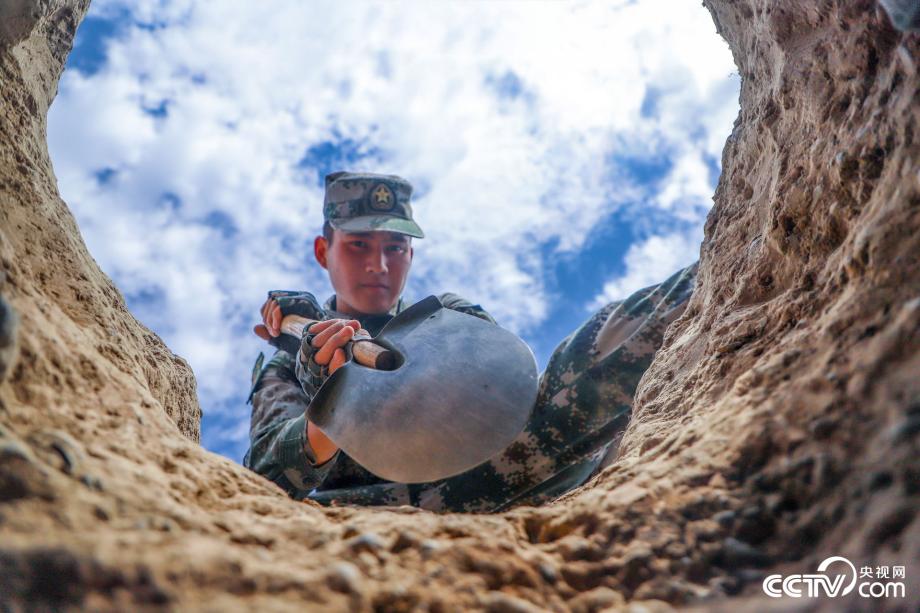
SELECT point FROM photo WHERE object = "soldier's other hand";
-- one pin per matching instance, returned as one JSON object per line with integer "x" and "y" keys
{"x": 331, "y": 337}
{"x": 271, "y": 320}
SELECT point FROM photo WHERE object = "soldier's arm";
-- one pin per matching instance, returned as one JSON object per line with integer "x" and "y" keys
{"x": 280, "y": 449}
{"x": 457, "y": 303}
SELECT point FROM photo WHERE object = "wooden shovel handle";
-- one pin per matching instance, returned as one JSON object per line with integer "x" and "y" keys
{"x": 365, "y": 350}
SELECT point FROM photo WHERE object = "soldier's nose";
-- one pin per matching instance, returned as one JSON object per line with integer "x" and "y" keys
{"x": 377, "y": 262}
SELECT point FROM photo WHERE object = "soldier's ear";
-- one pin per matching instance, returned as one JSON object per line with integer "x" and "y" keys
{"x": 321, "y": 251}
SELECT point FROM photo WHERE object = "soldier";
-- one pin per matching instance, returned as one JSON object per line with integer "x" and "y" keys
{"x": 585, "y": 394}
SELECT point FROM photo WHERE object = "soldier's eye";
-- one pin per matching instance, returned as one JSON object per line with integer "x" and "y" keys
{"x": 359, "y": 243}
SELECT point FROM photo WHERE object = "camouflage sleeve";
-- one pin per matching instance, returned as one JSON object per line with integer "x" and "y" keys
{"x": 456, "y": 303}
{"x": 279, "y": 449}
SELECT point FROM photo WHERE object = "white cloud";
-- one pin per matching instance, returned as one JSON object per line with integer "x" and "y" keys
{"x": 649, "y": 262}
{"x": 511, "y": 116}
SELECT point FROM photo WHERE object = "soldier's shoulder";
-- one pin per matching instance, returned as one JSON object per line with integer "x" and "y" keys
{"x": 452, "y": 300}
{"x": 456, "y": 302}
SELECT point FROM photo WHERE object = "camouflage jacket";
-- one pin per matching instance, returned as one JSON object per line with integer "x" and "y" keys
{"x": 279, "y": 448}
{"x": 583, "y": 406}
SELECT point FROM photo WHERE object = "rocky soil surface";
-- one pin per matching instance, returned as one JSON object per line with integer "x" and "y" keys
{"x": 779, "y": 425}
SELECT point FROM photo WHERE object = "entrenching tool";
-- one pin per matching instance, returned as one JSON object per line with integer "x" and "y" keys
{"x": 435, "y": 393}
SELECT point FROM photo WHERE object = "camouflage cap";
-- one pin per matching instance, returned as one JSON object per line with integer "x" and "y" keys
{"x": 367, "y": 202}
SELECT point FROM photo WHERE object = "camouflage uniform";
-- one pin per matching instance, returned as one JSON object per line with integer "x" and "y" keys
{"x": 584, "y": 401}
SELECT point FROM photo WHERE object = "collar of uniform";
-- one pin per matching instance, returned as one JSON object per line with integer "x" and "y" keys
{"x": 331, "y": 312}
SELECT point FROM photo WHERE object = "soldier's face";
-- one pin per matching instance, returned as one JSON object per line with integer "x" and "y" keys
{"x": 367, "y": 269}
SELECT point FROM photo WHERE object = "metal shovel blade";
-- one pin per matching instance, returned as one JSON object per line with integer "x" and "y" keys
{"x": 462, "y": 390}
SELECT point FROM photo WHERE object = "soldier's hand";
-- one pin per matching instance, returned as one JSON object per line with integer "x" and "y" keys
{"x": 271, "y": 318}
{"x": 331, "y": 337}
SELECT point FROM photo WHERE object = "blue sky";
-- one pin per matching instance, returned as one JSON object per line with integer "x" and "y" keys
{"x": 563, "y": 155}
